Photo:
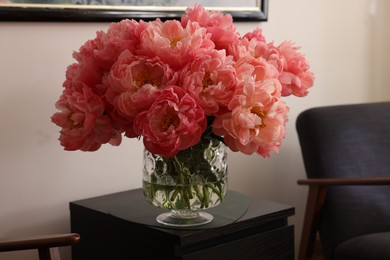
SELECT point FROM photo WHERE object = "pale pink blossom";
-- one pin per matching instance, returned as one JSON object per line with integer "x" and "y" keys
{"x": 211, "y": 80}
{"x": 219, "y": 25}
{"x": 174, "y": 44}
{"x": 258, "y": 68}
{"x": 252, "y": 47}
{"x": 257, "y": 34}
{"x": 173, "y": 123}
{"x": 295, "y": 78}
{"x": 253, "y": 58}
{"x": 257, "y": 119}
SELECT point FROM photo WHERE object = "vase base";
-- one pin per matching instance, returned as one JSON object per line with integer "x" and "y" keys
{"x": 171, "y": 219}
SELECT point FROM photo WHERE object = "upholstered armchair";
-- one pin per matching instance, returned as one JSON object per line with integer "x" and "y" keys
{"x": 346, "y": 154}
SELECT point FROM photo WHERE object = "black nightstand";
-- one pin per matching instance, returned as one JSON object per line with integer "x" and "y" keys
{"x": 110, "y": 229}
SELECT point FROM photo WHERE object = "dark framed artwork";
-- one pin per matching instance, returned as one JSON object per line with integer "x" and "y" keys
{"x": 115, "y": 10}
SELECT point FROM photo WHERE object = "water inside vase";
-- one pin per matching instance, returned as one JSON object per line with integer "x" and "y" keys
{"x": 186, "y": 197}
{"x": 194, "y": 179}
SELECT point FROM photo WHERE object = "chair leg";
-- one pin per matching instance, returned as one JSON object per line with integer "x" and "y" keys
{"x": 49, "y": 253}
{"x": 315, "y": 201}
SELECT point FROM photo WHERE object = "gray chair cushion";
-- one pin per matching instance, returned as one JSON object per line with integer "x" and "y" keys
{"x": 374, "y": 246}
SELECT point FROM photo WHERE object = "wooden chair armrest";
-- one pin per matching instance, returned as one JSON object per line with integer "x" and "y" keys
{"x": 316, "y": 197}
{"x": 345, "y": 181}
{"x": 44, "y": 241}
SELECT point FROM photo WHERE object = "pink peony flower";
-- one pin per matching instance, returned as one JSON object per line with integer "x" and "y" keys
{"x": 220, "y": 26}
{"x": 134, "y": 82}
{"x": 255, "y": 34}
{"x": 295, "y": 78}
{"x": 211, "y": 80}
{"x": 124, "y": 35}
{"x": 257, "y": 119}
{"x": 173, "y": 123}
{"x": 258, "y": 68}
{"x": 84, "y": 126}
{"x": 174, "y": 83}
{"x": 86, "y": 71}
{"x": 254, "y": 48}
{"x": 253, "y": 59}
{"x": 174, "y": 44}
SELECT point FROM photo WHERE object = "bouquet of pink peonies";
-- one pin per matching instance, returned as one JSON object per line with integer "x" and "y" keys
{"x": 174, "y": 83}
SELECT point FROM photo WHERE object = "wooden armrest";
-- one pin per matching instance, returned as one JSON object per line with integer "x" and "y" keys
{"x": 345, "y": 181}
{"x": 315, "y": 200}
{"x": 44, "y": 241}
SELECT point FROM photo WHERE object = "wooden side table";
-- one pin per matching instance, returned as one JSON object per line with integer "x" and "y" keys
{"x": 115, "y": 227}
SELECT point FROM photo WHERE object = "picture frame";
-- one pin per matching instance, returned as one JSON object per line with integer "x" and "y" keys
{"x": 76, "y": 11}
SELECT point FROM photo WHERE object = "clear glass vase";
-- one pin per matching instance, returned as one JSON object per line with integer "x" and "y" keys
{"x": 193, "y": 180}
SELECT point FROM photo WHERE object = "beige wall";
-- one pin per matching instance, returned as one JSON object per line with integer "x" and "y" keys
{"x": 345, "y": 41}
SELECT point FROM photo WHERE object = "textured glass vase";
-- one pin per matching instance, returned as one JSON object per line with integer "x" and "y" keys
{"x": 193, "y": 180}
